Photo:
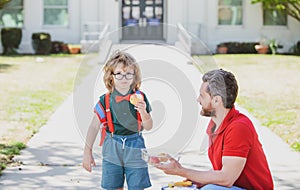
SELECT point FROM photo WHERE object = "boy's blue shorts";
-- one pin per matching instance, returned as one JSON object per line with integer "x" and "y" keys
{"x": 122, "y": 157}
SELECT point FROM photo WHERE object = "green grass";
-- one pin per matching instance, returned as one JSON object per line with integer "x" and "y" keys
{"x": 269, "y": 91}
{"x": 31, "y": 90}
{"x": 7, "y": 152}
{"x": 33, "y": 107}
{"x": 13, "y": 149}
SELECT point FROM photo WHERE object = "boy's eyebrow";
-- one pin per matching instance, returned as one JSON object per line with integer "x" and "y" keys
{"x": 128, "y": 72}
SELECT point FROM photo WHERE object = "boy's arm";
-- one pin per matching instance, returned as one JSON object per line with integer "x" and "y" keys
{"x": 92, "y": 133}
{"x": 147, "y": 122}
{"x": 93, "y": 130}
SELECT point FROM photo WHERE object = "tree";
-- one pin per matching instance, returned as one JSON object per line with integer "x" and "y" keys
{"x": 3, "y": 3}
{"x": 290, "y": 7}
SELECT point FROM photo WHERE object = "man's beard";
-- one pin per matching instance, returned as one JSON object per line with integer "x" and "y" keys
{"x": 207, "y": 112}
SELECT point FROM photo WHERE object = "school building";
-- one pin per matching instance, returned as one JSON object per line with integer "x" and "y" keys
{"x": 211, "y": 21}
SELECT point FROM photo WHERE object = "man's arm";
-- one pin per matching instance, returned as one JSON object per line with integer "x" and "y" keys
{"x": 231, "y": 170}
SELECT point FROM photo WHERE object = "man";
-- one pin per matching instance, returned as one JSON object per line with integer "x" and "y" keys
{"x": 235, "y": 152}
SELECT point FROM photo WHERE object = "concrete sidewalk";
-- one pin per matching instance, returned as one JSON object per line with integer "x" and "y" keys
{"x": 52, "y": 159}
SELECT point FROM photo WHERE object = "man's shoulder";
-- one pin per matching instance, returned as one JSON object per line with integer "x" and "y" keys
{"x": 242, "y": 122}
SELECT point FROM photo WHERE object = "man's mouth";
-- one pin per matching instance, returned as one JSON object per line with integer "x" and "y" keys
{"x": 207, "y": 113}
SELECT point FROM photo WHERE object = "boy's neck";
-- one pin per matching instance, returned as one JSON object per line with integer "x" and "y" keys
{"x": 122, "y": 91}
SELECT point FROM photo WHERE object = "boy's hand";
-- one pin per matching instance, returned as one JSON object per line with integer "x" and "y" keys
{"x": 141, "y": 106}
{"x": 88, "y": 162}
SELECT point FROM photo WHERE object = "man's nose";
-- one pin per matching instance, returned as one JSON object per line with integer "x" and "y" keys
{"x": 198, "y": 100}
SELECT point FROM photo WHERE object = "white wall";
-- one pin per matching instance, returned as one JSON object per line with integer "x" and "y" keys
{"x": 192, "y": 13}
{"x": 252, "y": 30}
{"x": 196, "y": 17}
{"x": 175, "y": 13}
{"x": 89, "y": 14}
{"x": 110, "y": 13}
{"x": 90, "y": 11}
{"x": 33, "y": 22}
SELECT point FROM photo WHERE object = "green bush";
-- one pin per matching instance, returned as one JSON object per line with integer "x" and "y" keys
{"x": 240, "y": 47}
{"x": 11, "y": 39}
{"x": 41, "y": 43}
{"x": 295, "y": 49}
{"x": 59, "y": 47}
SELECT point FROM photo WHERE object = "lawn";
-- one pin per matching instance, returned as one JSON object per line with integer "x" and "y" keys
{"x": 269, "y": 91}
{"x": 31, "y": 90}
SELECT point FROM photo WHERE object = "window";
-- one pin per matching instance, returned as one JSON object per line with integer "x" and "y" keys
{"x": 12, "y": 14}
{"x": 230, "y": 12}
{"x": 56, "y": 12}
{"x": 274, "y": 17}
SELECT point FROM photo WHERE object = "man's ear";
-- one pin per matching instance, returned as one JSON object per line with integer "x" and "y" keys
{"x": 217, "y": 99}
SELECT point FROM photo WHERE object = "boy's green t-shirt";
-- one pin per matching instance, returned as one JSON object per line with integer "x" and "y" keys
{"x": 123, "y": 114}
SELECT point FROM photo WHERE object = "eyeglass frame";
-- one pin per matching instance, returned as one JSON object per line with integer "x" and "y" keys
{"x": 119, "y": 74}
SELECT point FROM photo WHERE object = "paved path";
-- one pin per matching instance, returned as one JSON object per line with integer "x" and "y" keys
{"x": 52, "y": 159}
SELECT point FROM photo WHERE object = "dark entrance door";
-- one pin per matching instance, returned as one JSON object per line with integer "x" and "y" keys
{"x": 142, "y": 19}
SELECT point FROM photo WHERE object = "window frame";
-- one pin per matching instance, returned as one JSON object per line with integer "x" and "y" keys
{"x": 67, "y": 7}
{"x": 219, "y": 6}
{"x": 273, "y": 25}
{"x": 19, "y": 7}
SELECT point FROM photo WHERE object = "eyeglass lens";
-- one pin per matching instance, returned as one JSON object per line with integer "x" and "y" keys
{"x": 127, "y": 76}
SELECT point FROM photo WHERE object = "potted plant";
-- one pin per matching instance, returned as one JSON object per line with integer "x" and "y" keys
{"x": 262, "y": 47}
{"x": 11, "y": 39}
{"x": 74, "y": 49}
{"x": 59, "y": 47}
{"x": 41, "y": 43}
{"x": 274, "y": 45}
{"x": 222, "y": 48}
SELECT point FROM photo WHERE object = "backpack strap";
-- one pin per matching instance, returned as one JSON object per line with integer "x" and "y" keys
{"x": 138, "y": 115}
{"x": 100, "y": 112}
{"x": 106, "y": 118}
{"x": 108, "y": 114}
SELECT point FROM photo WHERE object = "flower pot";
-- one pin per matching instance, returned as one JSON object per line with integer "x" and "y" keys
{"x": 41, "y": 43}
{"x": 74, "y": 50}
{"x": 261, "y": 49}
{"x": 222, "y": 50}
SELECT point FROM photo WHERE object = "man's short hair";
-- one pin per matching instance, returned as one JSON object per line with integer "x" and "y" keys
{"x": 222, "y": 83}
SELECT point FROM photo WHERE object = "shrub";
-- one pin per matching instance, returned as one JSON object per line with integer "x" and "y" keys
{"x": 11, "y": 39}
{"x": 240, "y": 47}
{"x": 41, "y": 43}
{"x": 59, "y": 47}
{"x": 298, "y": 48}
{"x": 295, "y": 49}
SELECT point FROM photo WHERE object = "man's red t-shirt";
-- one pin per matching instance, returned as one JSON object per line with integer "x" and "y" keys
{"x": 236, "y": 136}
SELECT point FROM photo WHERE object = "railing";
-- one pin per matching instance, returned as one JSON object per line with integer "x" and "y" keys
{"x": 92, "y": 30}
{"x": 191, "y": 44}
{"x": 92, "y": 36}
{"x": 105, "y": 44}
{"x": 184, "y": 39}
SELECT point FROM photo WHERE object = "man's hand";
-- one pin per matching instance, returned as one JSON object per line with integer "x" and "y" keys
{"x": 172, "y": 168}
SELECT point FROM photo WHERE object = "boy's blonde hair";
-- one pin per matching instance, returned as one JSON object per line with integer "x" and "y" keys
{"x": 127, "y": 60}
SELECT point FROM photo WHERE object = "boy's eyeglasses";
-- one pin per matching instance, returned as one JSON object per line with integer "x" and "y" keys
{"x": 127, "y": 76}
